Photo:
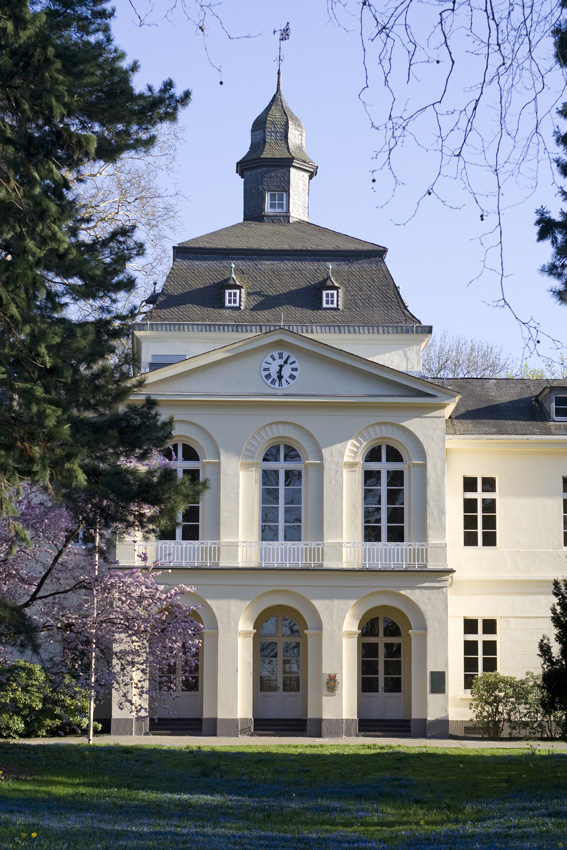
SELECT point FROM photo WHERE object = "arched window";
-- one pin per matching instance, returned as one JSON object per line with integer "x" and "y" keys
{"x": 384, "y": 495}
{"x": 187, "y": 462}
{"x": 281, "y": 493}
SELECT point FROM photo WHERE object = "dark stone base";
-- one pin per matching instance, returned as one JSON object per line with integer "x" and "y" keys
{"x": 128, "y": 726}
{"x": 209, "y": 726}
{"x": 245, "y": 726}
{"x": 313, "y": 727}
{"x": 228, "y": 727}
{"x": 332, "y": 727}
{"x": 350, "y": 726}
{"x": 418, "y": 727}
{"x": 438, "y": 728}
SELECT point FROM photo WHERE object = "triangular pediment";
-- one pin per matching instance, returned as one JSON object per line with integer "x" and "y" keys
{"x": 242, "y": 370}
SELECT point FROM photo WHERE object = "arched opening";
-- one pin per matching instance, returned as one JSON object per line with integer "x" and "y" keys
{"x": 384, "y": 665}
{"x": 281, "y": 503}
{"x": 179, "y": 694}
{"x": 280, "y": 665}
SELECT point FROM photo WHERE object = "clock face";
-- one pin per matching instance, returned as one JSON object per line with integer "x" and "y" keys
{"x": 280, "y": 369}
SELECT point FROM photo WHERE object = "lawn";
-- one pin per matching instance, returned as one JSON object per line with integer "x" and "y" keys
{"x": 56, "y": 796}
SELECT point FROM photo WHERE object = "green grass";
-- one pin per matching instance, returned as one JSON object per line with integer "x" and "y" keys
{"x": 280, "y": 798}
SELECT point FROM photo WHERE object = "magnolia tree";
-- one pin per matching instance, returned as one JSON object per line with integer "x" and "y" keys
{"x": 104, "y": 625}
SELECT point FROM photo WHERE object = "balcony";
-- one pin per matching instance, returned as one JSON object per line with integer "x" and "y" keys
{"x": 277, "y": 555}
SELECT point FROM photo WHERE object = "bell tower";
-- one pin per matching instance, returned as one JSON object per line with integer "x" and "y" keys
{"x": 277, "y": 169}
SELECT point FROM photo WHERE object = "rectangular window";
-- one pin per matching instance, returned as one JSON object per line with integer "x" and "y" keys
{"x": 330, "y": 298}
{"x": 276, "y": 202}
{"x": 480, "y": 649}
{"x": 232, "y": 298}
{"x": 479, "y": 511}
{"x": 560, "y": 407}
{"x": 565, "y": 511}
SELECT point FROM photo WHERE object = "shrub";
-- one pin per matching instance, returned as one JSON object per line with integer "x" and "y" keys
{"x": 31, "y": 705}
{"x": 504, "y": 703}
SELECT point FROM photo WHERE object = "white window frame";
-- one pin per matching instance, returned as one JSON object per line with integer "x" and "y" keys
{"x": 561, "y": 417}
{"x": 232, "y": 297}
{"x": 565, "y": 511}
{"x": 383, "y": 468}
{"x": 276, "y": 202}
{"x": 482, "y": 530}
{"x": 486, "y": 656}
{"x": 330, "y": 299}
{"x": 281, "y": 467}
{"x": 182, "y": 467}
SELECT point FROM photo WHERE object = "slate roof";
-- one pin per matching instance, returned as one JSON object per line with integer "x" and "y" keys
{"x": 281, "y": 268}
{"x": 506, "y": 406}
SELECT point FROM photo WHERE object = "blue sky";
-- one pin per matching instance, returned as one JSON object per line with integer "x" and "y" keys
{"x": 434, "y": 256}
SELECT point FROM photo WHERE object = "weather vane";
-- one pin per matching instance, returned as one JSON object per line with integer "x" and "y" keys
{"x": 284, "y": 34}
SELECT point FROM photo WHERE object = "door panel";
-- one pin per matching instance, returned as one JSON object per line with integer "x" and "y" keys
{"x": 279, "y": 668}
{"x": 381, "y": 670}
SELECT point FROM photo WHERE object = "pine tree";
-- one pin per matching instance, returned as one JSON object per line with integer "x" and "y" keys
{"x": 550, "y": 229}
{"x": 67, "y": 98}
{"x": 554, "y": 662}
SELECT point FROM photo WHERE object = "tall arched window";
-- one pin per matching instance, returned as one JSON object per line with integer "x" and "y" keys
{"x": 187, "y": 462}
{"x": 384, "y": 495}
{"x": 281, "y": 493}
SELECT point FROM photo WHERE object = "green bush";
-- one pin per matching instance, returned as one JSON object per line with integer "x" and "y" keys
{"x": 506, "y": 704}
{"x": 32, "y": 706}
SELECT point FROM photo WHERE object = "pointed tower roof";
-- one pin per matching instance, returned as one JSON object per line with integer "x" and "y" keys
{"x": 277, "y": 134}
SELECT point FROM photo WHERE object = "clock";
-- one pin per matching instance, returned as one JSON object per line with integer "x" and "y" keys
{"x": 280, "y": 369}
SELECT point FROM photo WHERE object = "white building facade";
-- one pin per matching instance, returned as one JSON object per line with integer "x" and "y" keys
{"x": 369, "y": 540}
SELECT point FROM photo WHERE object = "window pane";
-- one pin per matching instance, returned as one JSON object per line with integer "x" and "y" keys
{"x": 489, "y": 522}
{"x": 269, "y": 533}
{"x": 396, "y": 516}
{"x": 489, "y": 665}
{"x": 392, "y": 650}
{"x": 369, "y": 668}
{"x": 471, "y": 665}
{"x": 471, "y": 626}
{"x": 488, "y": 627}
{"x": 291, "y": 455}
{"x": 470, "y": 522}
{"x": 373, "y": 455}
{"x": 393, "y": 455}
{"x": 292, "y": 533}
{"x": 489, "y": 647}
{"x": 489, "y": 538}
{"x": 395, "y": 496}
{"x": 270, "y": 477}
{"x": 471, "y": 647}
{"x": 471, "y": 538}
{"x": 189, "y": 453}
{"x": 292, "y": 515}
{"x": 372, "y": 497}
{"x": 489, "y": 485}
{"x": 372, "y": 534}
{"x": 191, "y": 514}
{"x": 469, "y": 484}
{"x": 369, "y": 650}
{"x": 470, "y": 506}
{"x": 371, "y": 478}
{"x": 371, "y": 629}
{"x": 289, "y": 627}
{"x": 392, "y": 668}
{"x": 272, "y": 455}
{"x": 291, "y": 650}
{"x": 269, "y": 626}
{"x": 291, "y": 666}
{"x": 395, "y": 477}
{"x": 292, "y": 496}
{"x": 270, "y": 515}
{"x": 391, "y": 628}
{"x": 392, "y": 685}
{"x": 292, "y": 477}
{"x": 369, "y": 685}
{"x": 395, "y": 534}
{"x": 489, "y": 506}
{"x": 270, "y": 496}
{"x": 372, "y": 516}
{"x": 189, "y": 532}
{"x": 268, "y": 649}
{"x": 469, "y": 679}
{"x": 290, "y": 684}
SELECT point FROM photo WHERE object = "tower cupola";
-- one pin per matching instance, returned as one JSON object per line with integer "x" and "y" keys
{"x": 277, "y": 169}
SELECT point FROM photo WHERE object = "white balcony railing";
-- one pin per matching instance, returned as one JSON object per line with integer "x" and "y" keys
{"x": 280, "y": 555}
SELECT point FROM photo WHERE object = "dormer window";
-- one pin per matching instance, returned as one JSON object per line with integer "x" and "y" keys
{"x": 560, "y": 406}
{"x": 276, "y": 202}
{"x": 330, "y": 299}
{"x": 232, "y": 298}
